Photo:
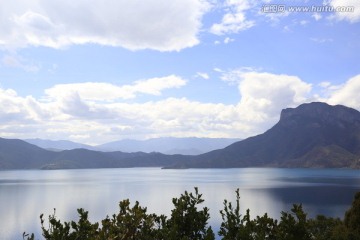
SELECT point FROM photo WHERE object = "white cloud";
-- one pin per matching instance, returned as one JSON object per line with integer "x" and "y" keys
{"x": 234, "y": 20}
{"x": 322, "y": 40}
{"x": 76, "y": 114}
{"x": 348, "y": 10}
{"x": 133, "y": 25}
{"x": 203, "y": 75}
{"x": 90, "y": 116}
{"x": 317, "y": 16}
{"x": 18, "y": 110}
{"x": 324, "y": 84}
{"x": 216, "y": 69}
{"x": 273, "y": 16}
{"x": 347, "y": 94}
{"x": 228, "y": 40}
{"x": 234, "y": 76}
{"x": 16, "y": 61}
{"x": 154, "y": 86}
{"x": 263, "y": 94}
{"x": 97, "y": 91}
{"x": 287, "y": 29}
{"x": 327, "y": 86}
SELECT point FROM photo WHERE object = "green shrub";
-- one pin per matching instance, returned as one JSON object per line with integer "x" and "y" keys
{"x": 189, "y": 222}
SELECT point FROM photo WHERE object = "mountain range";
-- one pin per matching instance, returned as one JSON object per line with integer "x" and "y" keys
{"x": 314, "y": 135}
{"x": 18, "y": 154}
{"x": 311, "y": 135}
{"x": 58, "y": 145}
{"x": 168, "y": 145}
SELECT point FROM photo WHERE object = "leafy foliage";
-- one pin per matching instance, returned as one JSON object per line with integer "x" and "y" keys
{"x": 189, "y": 222}
{"x": 186, "y": 221}
{"x": 324, "y": 228}
{"x": 352, "y": 218}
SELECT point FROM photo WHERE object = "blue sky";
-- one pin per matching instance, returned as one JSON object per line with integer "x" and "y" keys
{"x": 95, "y": 71}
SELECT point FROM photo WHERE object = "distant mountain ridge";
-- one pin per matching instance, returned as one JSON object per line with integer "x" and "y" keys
{"x": 18, "y": 154}
{"x": 314, "y": 135}
{"x": 58, "y": 145}
{"x": 169, "y": 145}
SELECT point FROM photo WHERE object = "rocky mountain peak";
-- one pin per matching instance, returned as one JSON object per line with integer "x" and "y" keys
{"x": 321, "y": 112}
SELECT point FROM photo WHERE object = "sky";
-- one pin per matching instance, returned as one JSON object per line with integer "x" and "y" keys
{"x": 100, "y": 71}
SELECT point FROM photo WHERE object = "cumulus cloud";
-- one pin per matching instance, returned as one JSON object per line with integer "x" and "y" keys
{"x": 348, "y": 10}
{"x": 90, "y": 117}
{"x": 77, "y": 119}
{"x": 346, "y": 94}
{"x": 133, "y": 25}
{"x": 263, "y": 94}
{"x": 100, "y": 91}
{"x": 234, "y": 20}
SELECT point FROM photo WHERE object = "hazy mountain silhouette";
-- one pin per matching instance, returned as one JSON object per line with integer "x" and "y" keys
{"x": 169, "y": 145}
{"x": 18, "y": 154}
{"x": 58, "y": 145}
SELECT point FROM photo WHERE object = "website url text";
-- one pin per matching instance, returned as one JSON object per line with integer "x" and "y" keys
{"x": 280, "y": 8}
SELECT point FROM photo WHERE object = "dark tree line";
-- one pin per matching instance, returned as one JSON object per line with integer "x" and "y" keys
{"x": 189, "y": 221}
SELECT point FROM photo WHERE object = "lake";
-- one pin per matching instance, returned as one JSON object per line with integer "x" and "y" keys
{"x": 25, "y": 194}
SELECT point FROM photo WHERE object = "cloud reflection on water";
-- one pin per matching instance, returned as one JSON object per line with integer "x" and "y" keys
{"x": 24, "y": 195}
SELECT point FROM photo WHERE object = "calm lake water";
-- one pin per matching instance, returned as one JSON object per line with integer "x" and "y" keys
{"x": 24, "y": 195}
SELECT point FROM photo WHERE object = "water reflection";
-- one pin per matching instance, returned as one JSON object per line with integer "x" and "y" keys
{"x": 26, "y": 194}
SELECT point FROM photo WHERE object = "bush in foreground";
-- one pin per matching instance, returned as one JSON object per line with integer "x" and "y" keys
{"x": 189, "y": 222}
